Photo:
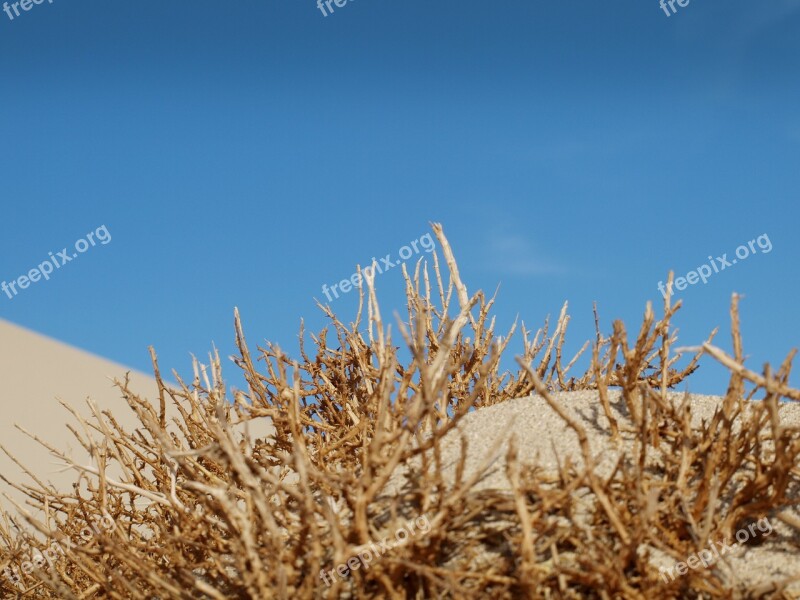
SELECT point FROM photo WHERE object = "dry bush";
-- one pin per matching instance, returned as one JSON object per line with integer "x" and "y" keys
{"x": 202, "y": 510}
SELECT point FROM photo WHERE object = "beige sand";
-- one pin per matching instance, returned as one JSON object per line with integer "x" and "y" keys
{"x": 540, "y": 434}
{"x": 34, "y": 372}
{"x": 37, "y": 371}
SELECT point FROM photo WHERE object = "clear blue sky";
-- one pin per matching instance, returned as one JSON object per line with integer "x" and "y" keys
{"x": 246, "y": 153}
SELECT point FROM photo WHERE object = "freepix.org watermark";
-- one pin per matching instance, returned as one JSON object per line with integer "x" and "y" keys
{"x": 55, "y": 262}
{"x": 703, "y": 272}
{"x": 373, "y": 551}
{"x": 25, "y": 5}
{"x": 355, "y": 280}
{"x": 671, "y": 3}
{"x": 52, "y": 553}
{"x": 321, "y": 4}
{"x": 706, "y": 558}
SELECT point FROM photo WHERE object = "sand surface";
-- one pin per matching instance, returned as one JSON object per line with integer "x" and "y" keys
{"x": 36, "y": 371}
{"x": 541, "y": 434}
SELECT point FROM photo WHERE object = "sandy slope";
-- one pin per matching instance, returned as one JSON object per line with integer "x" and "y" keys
{"x": 34, "y": 372}
{"x": 541, "y": 434}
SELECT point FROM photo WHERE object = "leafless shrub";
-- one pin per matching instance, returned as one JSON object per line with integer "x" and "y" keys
{"x": 205, "y": 511}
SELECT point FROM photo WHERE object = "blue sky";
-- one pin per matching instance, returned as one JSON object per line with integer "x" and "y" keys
{"x": 246, "y": 153}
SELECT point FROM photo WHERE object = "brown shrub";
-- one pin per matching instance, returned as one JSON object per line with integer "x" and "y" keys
{"x": 203, "y": 510}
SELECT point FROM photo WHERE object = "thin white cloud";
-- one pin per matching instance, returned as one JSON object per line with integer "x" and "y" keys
{"x": 514, "y": 254}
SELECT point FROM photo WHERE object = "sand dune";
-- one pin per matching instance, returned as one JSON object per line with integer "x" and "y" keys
{"x": 36, "y": 371}
{"x": 542, "y": 436}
